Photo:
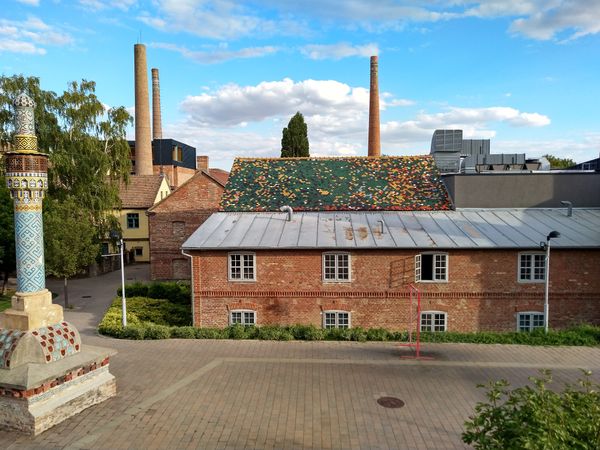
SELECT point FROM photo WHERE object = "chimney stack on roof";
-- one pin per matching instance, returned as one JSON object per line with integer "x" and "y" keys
{"x": 374, "y": 140}
{"x": 156, "y": 117}
{"x": 143, "y": 143}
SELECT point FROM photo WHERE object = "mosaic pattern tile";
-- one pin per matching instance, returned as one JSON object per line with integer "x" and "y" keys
{"x": 407, "y": 183}
{"x": 30, "y": 251}
{"x": 8, "y": 343}
{"x": 58, "y": 341}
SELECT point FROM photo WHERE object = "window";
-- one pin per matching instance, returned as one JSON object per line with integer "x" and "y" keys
{"x": 336, "y": 267}
{"x": 433, "y": 321}
{"x": 532, "y": 267}
{"x": 431, "y": 267}
{"x": 139, "y": 251}
{"x": 177, "y": 153}
{"x": 133, "y": 220}
{"x": 243, "y": 317}
{"x": 336, "y": 319}
{"x": 528, "y": 321}
{"x": 178, "y": 228}
{"x": 241, "y": 266}
{"x": 104, "y": 250}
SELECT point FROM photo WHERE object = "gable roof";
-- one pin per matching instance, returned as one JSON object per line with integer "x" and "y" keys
{"x": 409, "y": 183}
{"x": 220, "y": 175}
{"x": 141, "y": 191}
{"x": 176, "y": 193}
{"x": 463, "y": 229}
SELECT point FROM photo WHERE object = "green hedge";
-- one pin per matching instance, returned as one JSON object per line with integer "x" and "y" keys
{"x": 583, "y": 335}
{"x": 174, "y": 291}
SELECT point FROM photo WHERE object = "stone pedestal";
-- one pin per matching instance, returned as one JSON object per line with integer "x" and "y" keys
{"x": 31, "y": 310}
{"x": 35, "y": 397}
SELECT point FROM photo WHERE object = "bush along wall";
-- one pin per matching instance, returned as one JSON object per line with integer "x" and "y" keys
{"x": 162, "y": 310}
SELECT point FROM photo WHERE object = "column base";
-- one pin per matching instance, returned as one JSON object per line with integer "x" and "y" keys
{"x": 31, "y": 310}
{"x": 35, "y": 397}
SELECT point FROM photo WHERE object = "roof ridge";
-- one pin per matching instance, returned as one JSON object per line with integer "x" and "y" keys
{"x": 326, "y": 158}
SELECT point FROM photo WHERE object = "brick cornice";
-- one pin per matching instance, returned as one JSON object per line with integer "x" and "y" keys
{"x": 388, "y": 294}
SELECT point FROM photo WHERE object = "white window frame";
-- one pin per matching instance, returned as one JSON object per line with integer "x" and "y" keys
{"x": 433, "y": 324}
{"x": 419, "y": 271}
{"x": 336, "y": 312}
{"x": 519, "y": 266}
{"x": 242, "y": 279}
{"x": 531, "y": 319}
{"x": 337, "y": 279}
{"x": 243, "y": 312}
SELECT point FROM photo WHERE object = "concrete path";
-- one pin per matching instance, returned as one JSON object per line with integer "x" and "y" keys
{"x": 254, "y": 394}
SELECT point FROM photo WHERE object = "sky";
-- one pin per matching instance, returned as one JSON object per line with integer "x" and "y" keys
{"x": 525, "y": 74}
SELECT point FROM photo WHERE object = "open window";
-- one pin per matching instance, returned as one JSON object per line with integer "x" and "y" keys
{"x": 431, "y": 267}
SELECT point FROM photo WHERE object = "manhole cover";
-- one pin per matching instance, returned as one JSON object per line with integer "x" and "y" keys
{"x": 390, "y": 402}
{"x": 86, "y": 296}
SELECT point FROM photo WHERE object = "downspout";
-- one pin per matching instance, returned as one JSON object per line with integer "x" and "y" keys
{"x": 192, "y": 285}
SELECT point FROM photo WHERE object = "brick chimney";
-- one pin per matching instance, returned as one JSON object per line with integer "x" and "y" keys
{"x": 143, "y": 143}
{"x": 374, "y": 140}
{"x": 156, "y": 117}
{"x": 202, "y": 162}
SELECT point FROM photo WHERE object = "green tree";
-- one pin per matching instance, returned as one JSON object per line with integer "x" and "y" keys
{"x": 294, "y": 142}
{"x": 8, "y": 262}
{"x": 559, "y": 163}
{"x": 69, "y": 240}
{"x": 537, "y": 418}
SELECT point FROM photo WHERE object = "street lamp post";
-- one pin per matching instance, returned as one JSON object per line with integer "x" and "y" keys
{"x": 546, "y": 247}
{"x": 121, "y": 245}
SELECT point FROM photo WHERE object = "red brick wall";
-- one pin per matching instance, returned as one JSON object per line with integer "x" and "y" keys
{"x": 482, "y": 292}
{"x": 174, "y": 219}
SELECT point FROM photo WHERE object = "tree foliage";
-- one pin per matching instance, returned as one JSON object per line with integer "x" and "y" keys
{"x": 70, "y": 242}
{"x": 559, "y": 163}
{"x": 537, "y": 418}
{"x": 88, "y": 155}
{"x": 294, "y": 141}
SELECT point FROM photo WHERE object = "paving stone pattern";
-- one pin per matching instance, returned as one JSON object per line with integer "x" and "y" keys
{"x": 254, "y": 394}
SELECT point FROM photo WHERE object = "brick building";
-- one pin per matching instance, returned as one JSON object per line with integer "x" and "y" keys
{"x": 360, "y": 230}
{"x": 175, "y": 218}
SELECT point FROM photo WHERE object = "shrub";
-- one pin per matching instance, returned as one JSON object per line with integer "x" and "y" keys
{"x": 306, "y": 332}
{"x": 175, "y": 292}
{"x": 338, "y": 334}
{"x": 377, "y": 334}
{"x": 535, "y": 417}
{"x": 133, "y": 332}
{"x": 153, "y": 331}
{"x": 212, "y": 333}
{"x": 183, "y": 332}
{"x": 274, "y": 333}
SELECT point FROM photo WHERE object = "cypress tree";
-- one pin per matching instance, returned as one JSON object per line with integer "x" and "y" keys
{"x": 294, "y": 141}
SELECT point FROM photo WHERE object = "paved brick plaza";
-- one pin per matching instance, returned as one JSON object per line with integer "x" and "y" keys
{"x": 253, "y": 394}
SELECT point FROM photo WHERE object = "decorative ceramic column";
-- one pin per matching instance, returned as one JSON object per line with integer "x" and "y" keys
{"x": 27, "y": 180}
{"x": 45, "y": 375}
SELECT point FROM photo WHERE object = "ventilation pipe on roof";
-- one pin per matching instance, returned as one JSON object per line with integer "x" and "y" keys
{"x": 381, "y": 227}
{"x": 569, "y": 206}
{"x": 288, "y": 210}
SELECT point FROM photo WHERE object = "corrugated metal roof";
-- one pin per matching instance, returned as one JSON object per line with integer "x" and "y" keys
{"x": 474, "y": 229}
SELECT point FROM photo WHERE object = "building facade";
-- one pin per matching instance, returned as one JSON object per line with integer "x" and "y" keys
{"x": 172, "y": 220}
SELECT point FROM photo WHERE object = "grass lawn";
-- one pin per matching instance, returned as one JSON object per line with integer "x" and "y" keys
{"x": 5, "y": 300}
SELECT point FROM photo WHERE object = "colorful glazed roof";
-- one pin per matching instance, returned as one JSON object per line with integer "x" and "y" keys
{"x": 404, "y": 183}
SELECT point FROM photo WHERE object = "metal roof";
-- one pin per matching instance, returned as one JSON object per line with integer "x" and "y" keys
{"x": 472, "y": 229}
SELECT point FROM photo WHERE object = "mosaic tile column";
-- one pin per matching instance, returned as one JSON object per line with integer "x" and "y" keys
{"x": 27, "y": 180}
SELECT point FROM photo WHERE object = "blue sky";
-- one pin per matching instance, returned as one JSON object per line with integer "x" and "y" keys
{"x": 523, "y": 73}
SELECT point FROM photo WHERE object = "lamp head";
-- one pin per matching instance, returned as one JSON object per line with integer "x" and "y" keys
{"x": 552, "y": 235}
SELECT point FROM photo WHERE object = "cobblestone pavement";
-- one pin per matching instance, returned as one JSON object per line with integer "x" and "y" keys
{"x": 254, "y": 394}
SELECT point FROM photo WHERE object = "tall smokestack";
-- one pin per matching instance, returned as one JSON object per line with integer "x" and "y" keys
{"x": 374, "y": 141}
{"x": 143, "y": 144}
{"x": 156, "y": 118}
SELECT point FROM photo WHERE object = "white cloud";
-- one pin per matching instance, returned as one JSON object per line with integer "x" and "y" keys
{"x": 219, "y": 54}
{"x": 216, "y": 19}
{"x": 238, "y": 120}
{"x": 97, "y": 5}
{"x": 339, "y": 51}
{"x": 30, "y": 36}
{"x": 30, "y": 2}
